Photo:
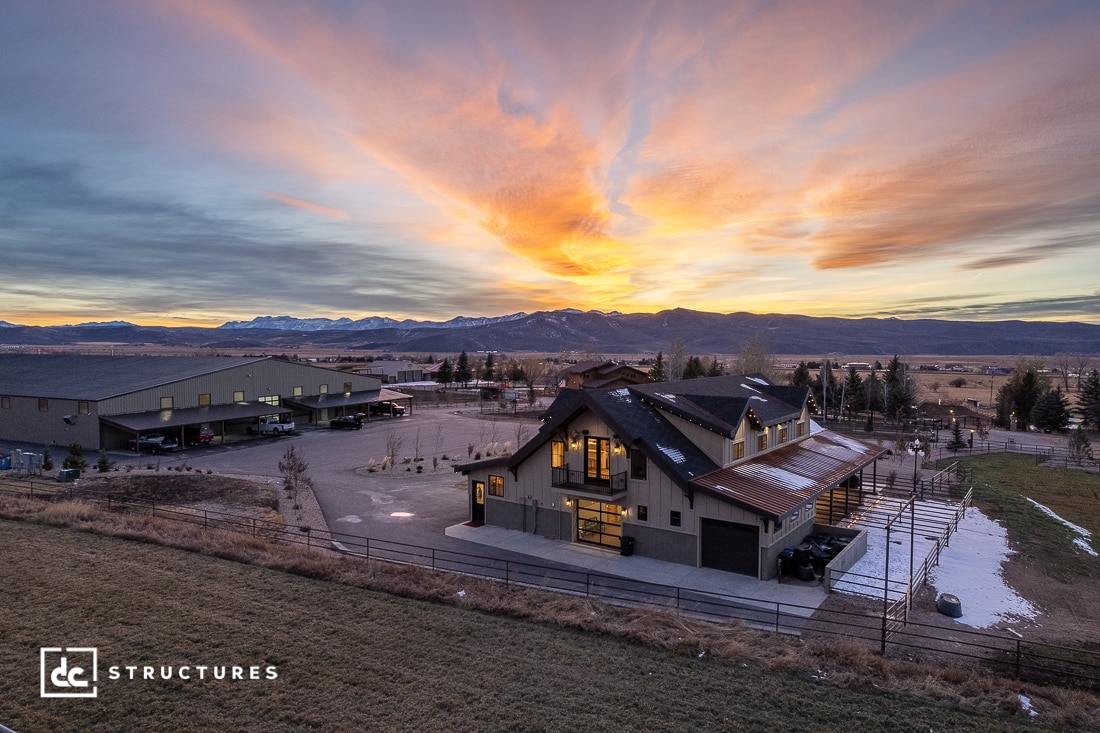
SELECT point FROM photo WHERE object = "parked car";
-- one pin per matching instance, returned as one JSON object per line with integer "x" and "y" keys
{"x": 347, "y": 422}
{"x": 387, "y": 408}
{"x": 199, "y": 436}
{"x": 273, "y": 426}
{"x": 153, "y": 443}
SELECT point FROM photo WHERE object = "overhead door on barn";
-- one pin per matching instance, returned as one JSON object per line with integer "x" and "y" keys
{"x": 730, "y": 546}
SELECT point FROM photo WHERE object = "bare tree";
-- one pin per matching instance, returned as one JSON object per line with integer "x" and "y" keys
{"x": 437, "y": 435}
{"x": 393, "y": 446}
{"x": 756, "y": 358}
{"x": 416, "y": 446}
{"x": 1064, "y": 363}
{"x": 522, "y": 431}
{"x": 1081, "y": 361}
{"x": 677, "y": 359}
{"x": 295, "y": 477}
{"x": 534, "y": 371}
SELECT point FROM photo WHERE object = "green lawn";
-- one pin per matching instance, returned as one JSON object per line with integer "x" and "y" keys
{"x": 351, "y": 659}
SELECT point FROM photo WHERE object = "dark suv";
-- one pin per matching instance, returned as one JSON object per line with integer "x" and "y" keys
{"x": 346, "y": 423}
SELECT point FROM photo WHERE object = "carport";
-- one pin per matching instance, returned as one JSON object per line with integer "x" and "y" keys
{"x": 331, "y": 405}
{"x": 175, "y": 422}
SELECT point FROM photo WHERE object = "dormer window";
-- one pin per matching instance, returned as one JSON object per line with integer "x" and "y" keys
{"x": 762, "y": 440}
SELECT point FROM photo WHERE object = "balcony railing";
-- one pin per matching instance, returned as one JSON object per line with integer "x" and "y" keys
{"x": 563, "y": 478}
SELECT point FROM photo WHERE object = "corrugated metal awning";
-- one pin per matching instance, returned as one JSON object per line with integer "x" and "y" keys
{"x": 341, "y": 399}
{"x": 140, "y": 422}
{"x": 778, "y": 482}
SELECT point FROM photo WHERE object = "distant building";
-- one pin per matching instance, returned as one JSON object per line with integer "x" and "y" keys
{"x": 601, "y": 375}
{"x": 105, "y": 401}
{"x": 394, "y": 372}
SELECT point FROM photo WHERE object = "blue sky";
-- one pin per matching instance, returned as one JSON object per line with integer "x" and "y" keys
{"x": 189, "y": 162}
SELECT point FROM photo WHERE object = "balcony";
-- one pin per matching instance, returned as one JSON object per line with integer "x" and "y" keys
{"x": 563, "y": 478}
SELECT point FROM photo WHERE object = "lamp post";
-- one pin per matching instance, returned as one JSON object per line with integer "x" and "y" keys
{"x": 915, "y": 449}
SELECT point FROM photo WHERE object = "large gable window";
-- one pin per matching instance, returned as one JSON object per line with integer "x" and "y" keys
{"x": 597, "y": 460}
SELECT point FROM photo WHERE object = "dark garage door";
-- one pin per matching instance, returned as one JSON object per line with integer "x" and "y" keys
{"x": 730, "y": 546}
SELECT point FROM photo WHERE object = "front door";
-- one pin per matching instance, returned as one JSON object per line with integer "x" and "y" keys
{"x": 599, "y": 523}
{"x": 478, "y": 513}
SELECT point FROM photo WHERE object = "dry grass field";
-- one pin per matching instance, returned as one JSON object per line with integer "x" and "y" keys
{"x": 434, "y": 652}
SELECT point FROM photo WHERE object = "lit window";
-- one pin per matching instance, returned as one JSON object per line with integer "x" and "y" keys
{"x": 762, "y": 441}
{"x": 166, "y": 403}
{"x": 738, "y": 450}
{"x": 347, "y": 387}
{"x": 238, "y": 396}
{"x": 643, "y": 513}
{"x": 83, "y": 408}
{"x": 271, "y": 399}
{"x": 801, "y": 429}
{"x": 782, "y": 433}
{"x": 298, "y": 391}
{"x": 322, "y": 389}
{"x": 496, "y": 486}
{"x": 204, "y": 399}
{"x": 557, "y": 454}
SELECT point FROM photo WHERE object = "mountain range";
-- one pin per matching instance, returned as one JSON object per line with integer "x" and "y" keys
{"x": 591, "y": 331}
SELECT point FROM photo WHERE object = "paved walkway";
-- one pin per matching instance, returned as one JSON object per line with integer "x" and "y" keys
{"x": 806, "y": 597}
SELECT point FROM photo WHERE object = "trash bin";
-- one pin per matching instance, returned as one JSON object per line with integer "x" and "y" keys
{"x": 626, "y": 546}
{"x": 68, "y": 474}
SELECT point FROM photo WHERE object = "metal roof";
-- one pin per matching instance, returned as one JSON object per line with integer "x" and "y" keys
{"x": 778, "y": 482}
{"x": 140, "y": 422}
{"x": 84, "y": 377}
{"x": 340, "y": 399}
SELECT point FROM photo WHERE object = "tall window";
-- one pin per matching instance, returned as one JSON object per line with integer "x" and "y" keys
{"x": 83, "y": 408}
{"x": 557, "y": 454}
{"x": 597, "y": 459}
{"x": 347, "y": 387}
{"x": 496, "y": 486}
{"x": 762, "y": 440}
{"x": 782, "y": 434}
{"x": 801, "y": 429}
{"x": 638, "y": 465}
{"x": 739, "y": 450}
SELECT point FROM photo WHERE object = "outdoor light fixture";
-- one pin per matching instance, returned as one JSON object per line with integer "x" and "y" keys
{"x": 915, "y": 449}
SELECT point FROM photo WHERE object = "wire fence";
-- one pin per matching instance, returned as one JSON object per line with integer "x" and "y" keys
{"x": 890, "y": 630}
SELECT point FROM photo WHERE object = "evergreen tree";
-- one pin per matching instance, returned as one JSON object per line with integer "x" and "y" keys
{"x": 800, "y": 377}
{"x": 657, "y": 373}
{"x": 75, "y": 459}
{"x": 956, "y": 443}
{"x": 488, "y": 373}
{"x": 715, "y": 369}
{"x": 1017, "y": 397}
{"x": 901, "y": 392}
{"x": 462, "y": 371}
{"x": 1051, "y": 411}
{"x": 853, "y": 392}
{"x": 694, "y": 368}
{"x": 446, "y": 373}
{"x": 1088, "y": 400}
{"x": 104, "y": 462}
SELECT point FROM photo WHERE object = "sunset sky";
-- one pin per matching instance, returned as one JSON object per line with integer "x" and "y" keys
{"x": 189, "y": 162}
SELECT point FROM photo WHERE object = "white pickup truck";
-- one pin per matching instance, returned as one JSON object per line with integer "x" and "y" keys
{"x": 273, "y": 426}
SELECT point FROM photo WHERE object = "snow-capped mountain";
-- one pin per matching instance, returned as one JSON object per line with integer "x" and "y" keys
{"x": 371, "y": 323}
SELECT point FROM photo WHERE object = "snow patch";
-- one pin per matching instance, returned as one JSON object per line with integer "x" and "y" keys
{"x": 778, "y": 474}
{"x": 1084, "y": 539}
{"x": 673, "y": 453}
{"x": 754, "y": 397}
{"x": 758, "y": 380}
{"x": 350, "y": 519}
{"x": 751, "y": 389}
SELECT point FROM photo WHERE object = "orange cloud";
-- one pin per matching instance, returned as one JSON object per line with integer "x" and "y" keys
{"x": 307, "y": 205}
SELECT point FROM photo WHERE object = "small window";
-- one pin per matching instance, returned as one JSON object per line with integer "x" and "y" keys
{"x": 557, "y": 454}
{"x": 43, "y": 404}
{"x": 298, "y": 391}
{"x": 496, "y": 486}
{"x": 738, "y": 450}
{"x": 347, "y": 387}
{"x": 322, "y": 389}
{"x": 674, "y": 518}
{"x": 5, "y": 401}
{"x": 83, "y": 408}
{"x": 762, "y": 441}
{"x": 204, "y": 399}
{"x": 166, "y": 403}
{"x": 801, "y": 429}
{"x": 782, "y": 434}
{"x": 643, "y": 513}
{"x": 271, "y": 399}
{"x": 238, "y": 396}
{"x": 638, "y": 465}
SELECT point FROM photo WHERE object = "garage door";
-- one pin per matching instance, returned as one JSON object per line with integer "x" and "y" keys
{"x": 730, "y": 546}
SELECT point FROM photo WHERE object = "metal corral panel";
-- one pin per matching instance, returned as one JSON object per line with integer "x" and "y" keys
{"x": 779, "y": 481}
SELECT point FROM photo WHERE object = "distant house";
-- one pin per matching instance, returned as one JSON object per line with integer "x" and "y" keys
{"x": 601, "y": 375}
{"x": 723, "y": 472}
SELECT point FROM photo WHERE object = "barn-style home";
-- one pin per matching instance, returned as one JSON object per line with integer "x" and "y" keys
{"x": 723, "y": 472}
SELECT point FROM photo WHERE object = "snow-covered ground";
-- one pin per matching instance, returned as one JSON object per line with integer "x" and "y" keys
{"x": 970, "y": 567}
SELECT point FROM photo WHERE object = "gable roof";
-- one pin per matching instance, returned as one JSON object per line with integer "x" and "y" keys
{"x": 721, "y": 403}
